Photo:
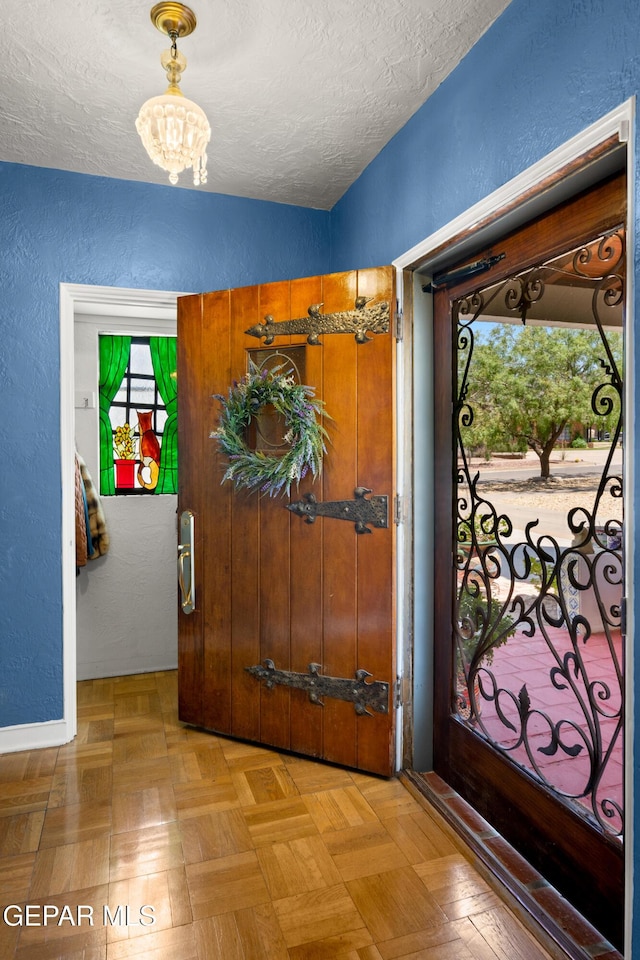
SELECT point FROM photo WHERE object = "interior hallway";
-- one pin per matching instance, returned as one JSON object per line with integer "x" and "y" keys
{"x": 243, "y": 853}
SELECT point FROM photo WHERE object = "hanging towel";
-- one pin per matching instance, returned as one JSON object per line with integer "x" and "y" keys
{"x": 92, "y": 553}
{"x": 98, "y": 538}
{"x": 81, "y": 520}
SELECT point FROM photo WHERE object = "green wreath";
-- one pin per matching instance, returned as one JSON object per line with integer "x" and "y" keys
{"x": 305, "y": 434}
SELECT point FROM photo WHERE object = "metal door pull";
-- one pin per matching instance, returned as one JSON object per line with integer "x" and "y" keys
{"x": 186, "y": 563}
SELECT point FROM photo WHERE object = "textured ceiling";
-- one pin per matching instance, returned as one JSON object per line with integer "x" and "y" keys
{"x": 300, "y": 95}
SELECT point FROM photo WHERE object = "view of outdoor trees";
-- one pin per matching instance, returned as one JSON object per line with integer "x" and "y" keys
{"x": 527, "y": 384}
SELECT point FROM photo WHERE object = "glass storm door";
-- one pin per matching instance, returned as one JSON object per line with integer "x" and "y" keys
{"x": 530, "y": 633}
{"x": 287, "y": 637}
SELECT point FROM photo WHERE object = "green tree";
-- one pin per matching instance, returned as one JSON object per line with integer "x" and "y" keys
{"x": 525, "y": 384}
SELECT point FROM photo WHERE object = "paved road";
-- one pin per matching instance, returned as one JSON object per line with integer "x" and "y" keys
{"x": 550, "y": 522}
{"x": 590, "y": 462}
{"x": 552, "y": 518}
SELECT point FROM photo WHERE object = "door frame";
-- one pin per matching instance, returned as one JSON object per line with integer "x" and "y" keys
{"x": 99, "y": 301}
{"x": 566, "y": 171}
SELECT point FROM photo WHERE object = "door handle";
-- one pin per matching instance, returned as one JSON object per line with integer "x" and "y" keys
{"x": 186, "y": 563}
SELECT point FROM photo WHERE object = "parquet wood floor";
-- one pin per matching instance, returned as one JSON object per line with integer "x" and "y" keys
{"x": 243, "y": 853}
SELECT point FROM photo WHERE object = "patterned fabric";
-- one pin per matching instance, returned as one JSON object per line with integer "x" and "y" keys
{"x": 81, "y": 527}
{"x": 98, "y": 537}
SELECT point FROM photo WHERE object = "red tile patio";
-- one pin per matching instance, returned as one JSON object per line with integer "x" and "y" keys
{"x": 528, "y": 662}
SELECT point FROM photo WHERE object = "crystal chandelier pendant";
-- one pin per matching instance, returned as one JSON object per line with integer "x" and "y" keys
{"x": 174, "y": 130}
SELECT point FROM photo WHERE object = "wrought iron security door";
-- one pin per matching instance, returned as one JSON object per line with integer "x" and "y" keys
{"x": 539, "y": 524}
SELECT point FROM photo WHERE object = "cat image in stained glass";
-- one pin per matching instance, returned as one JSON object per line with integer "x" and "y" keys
{"x": 149, "y": 467}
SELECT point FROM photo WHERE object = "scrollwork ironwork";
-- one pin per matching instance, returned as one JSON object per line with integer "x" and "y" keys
{"x": 537, "y": 586}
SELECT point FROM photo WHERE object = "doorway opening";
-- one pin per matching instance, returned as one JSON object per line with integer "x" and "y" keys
{"x": 143, "y": 306}
{"x": 597, "y": 155}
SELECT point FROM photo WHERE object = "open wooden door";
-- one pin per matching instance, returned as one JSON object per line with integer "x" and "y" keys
{"x": 299, "y": 602}
{"x": 529, "y": 702}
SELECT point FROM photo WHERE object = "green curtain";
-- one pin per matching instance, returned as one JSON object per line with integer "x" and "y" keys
{"x": 114, "y": 357}
{"x": 164, "y": 357}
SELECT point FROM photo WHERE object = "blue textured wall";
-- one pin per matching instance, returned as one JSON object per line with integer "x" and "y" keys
{"x": 541, "y": 74}
{"x": 62, "y": 227}
{"x": 544, "y": 72}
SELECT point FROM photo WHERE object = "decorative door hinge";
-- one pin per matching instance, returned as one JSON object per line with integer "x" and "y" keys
{"x": 360, "y": 511}
{"x": 397, "y": 509}
{"x": 360, "y": 321}
{"x": 358, "y": 692}
{"x": 399, "y": 322}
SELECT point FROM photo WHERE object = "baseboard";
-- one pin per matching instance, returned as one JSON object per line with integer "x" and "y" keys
{"x": 103, "y": 669}
{"x": 34, "y": 736}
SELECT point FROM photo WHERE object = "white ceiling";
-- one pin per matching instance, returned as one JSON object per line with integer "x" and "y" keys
{"x": 301, "y": 94}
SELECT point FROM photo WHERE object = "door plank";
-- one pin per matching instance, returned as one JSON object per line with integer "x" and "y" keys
{"x": 274, "y": 561}
{"x": 245, "y": 551}
{"x": 339, "y": 548}
{"x": 214, "y": 362}
{"x": 306, "y": 560}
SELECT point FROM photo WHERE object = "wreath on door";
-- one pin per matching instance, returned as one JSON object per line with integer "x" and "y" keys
{"x": 305, "y": 434}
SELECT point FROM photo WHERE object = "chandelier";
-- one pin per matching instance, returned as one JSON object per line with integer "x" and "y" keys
{"x": 175, "y": 131}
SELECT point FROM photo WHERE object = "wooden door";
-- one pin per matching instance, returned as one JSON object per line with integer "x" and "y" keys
{"x": 526, "y": 728}
{"x": 271, "y": 588}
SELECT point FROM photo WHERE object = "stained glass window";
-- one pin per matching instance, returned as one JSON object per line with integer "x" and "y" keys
{"x": 138, "y": 415}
